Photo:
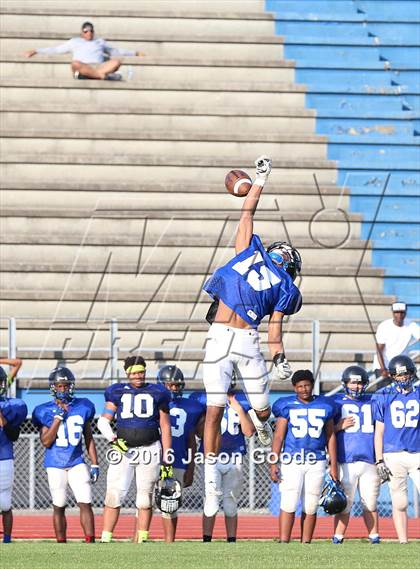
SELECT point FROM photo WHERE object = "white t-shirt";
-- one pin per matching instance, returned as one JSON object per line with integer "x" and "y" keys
{"x": 397, "y": 339}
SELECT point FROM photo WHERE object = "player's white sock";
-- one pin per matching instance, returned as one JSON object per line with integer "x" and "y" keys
{"x": 339, "y": 536}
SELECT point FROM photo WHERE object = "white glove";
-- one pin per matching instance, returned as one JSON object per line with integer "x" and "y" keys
{"x": 263, "y": 169}
{"x": 282, "y": 369}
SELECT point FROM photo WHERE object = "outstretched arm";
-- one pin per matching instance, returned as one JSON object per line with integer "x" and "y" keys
{"x": 246, "y": 221}
{"x": 16, "y": 364}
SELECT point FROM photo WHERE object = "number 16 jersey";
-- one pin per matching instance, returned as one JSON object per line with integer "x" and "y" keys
{"x": 67, "y": 449}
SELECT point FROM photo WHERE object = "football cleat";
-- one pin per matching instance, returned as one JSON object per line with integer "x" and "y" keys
{"x": 333, "y": 500}
{"x": 168, "y": 495}
{"x": 337, "y": 541}
{"x": 403, "y": 371}
{"x": 286, "y": 256}
{"x": 375, "y": 540}
{"x": 61, "y": 375}
{"x": 264, "y": 430}
{"x": 355, "y": 373}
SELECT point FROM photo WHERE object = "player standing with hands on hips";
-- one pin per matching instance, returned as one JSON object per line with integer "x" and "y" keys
{"x": 257, "y": 282}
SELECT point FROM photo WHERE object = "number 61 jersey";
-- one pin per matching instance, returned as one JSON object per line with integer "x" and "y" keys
{"x": 253, "y": 286}
{"x": 400, "y": 414}
{"x": 67, "y": 449}
{"x": 355, "y": 443}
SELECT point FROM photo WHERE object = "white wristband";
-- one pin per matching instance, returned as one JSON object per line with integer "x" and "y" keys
{"x": 259, "y": 182}
{"x": 59, "y": 417}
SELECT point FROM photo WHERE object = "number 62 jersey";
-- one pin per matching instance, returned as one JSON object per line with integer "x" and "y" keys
{"x": 67, "y": 449}
{"x": 400, "y": 414}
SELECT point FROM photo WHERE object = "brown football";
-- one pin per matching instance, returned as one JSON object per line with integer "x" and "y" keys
{"x": 238, "y": 183}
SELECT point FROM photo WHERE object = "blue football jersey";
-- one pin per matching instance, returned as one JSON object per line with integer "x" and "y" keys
{"x": 355, "y": 443}
{"x": 306, "y": 424}
{"x": 67, "y": 449}
{"x": 14, "y": 411}
{"x": 253, "y": 286}
{"x": 400, "y": 415}
{"x": 138, "y": 408}
{"x": 185, "y": 414}
{"x": 232, "y": 440}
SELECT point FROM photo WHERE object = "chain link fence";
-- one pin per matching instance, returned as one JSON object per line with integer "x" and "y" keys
{"x": 259, "y": 494}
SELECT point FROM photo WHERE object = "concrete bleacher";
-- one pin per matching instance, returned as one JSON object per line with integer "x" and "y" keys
{"x": 360, "y": 62}
{"x": 113, "y": 203}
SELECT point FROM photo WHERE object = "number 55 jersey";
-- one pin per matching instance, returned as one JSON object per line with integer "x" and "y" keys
{"x": 67, "y": 449}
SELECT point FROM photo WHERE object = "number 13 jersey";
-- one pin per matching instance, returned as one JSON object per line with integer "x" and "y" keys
{"x": 253, "y": 286}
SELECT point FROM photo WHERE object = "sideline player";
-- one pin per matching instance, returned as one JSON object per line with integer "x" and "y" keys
{"x": 226, "y": 479}
{"x": 254, "y": 284}
{"x": 61, "y": 423}
{"x": 397, "y": 437}
{"x": 141, "y": 412}
{"x": 185, "y": 415}
{"x": 354, "y": 429}
{"x": 12, "y": 414}
{"x": 305, "y": 426}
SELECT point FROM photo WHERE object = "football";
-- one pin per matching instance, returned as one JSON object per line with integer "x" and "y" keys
{"x": 238, "y": 183}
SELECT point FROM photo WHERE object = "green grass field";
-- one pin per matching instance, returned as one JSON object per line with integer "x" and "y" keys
{"x": 193, "y": 555}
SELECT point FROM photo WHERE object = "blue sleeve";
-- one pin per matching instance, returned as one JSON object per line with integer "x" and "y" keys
{"x": 111, "y": 395}
{"x": 164, "y": 399}
{"x": 337, "y": 412}
{"x": 378, "y": 407}
{"x": 243, "y": 401}
{"x": 290, "y": 303}
{"x": 199, "y": 396}
{"x": 278, "y": 409}
{"x": 36, "y": 419}
{"x": 91, "y": 408}
{"x": 21, "y": 412}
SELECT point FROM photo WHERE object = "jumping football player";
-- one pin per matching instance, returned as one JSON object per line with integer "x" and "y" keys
{"x": 354, "y": 429}
{"x": 397, "y": 437}
{"x": 62, "y": 423}
{"x": 305, "y": 425}
{"x": 185, "y": 415}
{"x": 142, "y": 440}
{"x": 225, "y": 480}
{"x": 12, "y": 414}
{"x": 257, "y": 282}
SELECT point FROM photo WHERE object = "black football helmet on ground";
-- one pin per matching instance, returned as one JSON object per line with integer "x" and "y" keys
{"x": 168, "y": 495}
{"x": 333, "y": 499}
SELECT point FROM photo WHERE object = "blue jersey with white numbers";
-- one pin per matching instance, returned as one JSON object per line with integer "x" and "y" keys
{"x": 399, "y": 413}
{"x": 185, "y": 414}
{"x": 253, "y": 286}
{"x": 306, "y": 424}
{"x": 67, "y": 449}
{"x": 138, "y": 407}
{"x": 355, "y": 443}
{"x": 232, "y": 440}
{"x": 14, "y": 411}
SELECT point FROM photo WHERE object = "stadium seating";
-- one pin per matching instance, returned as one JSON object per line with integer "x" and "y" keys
{"x": 113, "y": 200}
{"x": 360, "y": 62}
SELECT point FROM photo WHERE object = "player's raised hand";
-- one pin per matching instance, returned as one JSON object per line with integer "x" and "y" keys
{"x": 262, "y": 171}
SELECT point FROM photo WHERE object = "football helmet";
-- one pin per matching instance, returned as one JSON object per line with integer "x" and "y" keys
{"x": 333, "y": 499}
{"x": 286, "y": 256}
{"x": 168, "y": 495}
{"x": 359, "y": 374}
{"x": 172, "y": 375}
{"x": 402, "y": 367}
{"x": 3, "y": 383}
{"x": 62, "y": 375}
